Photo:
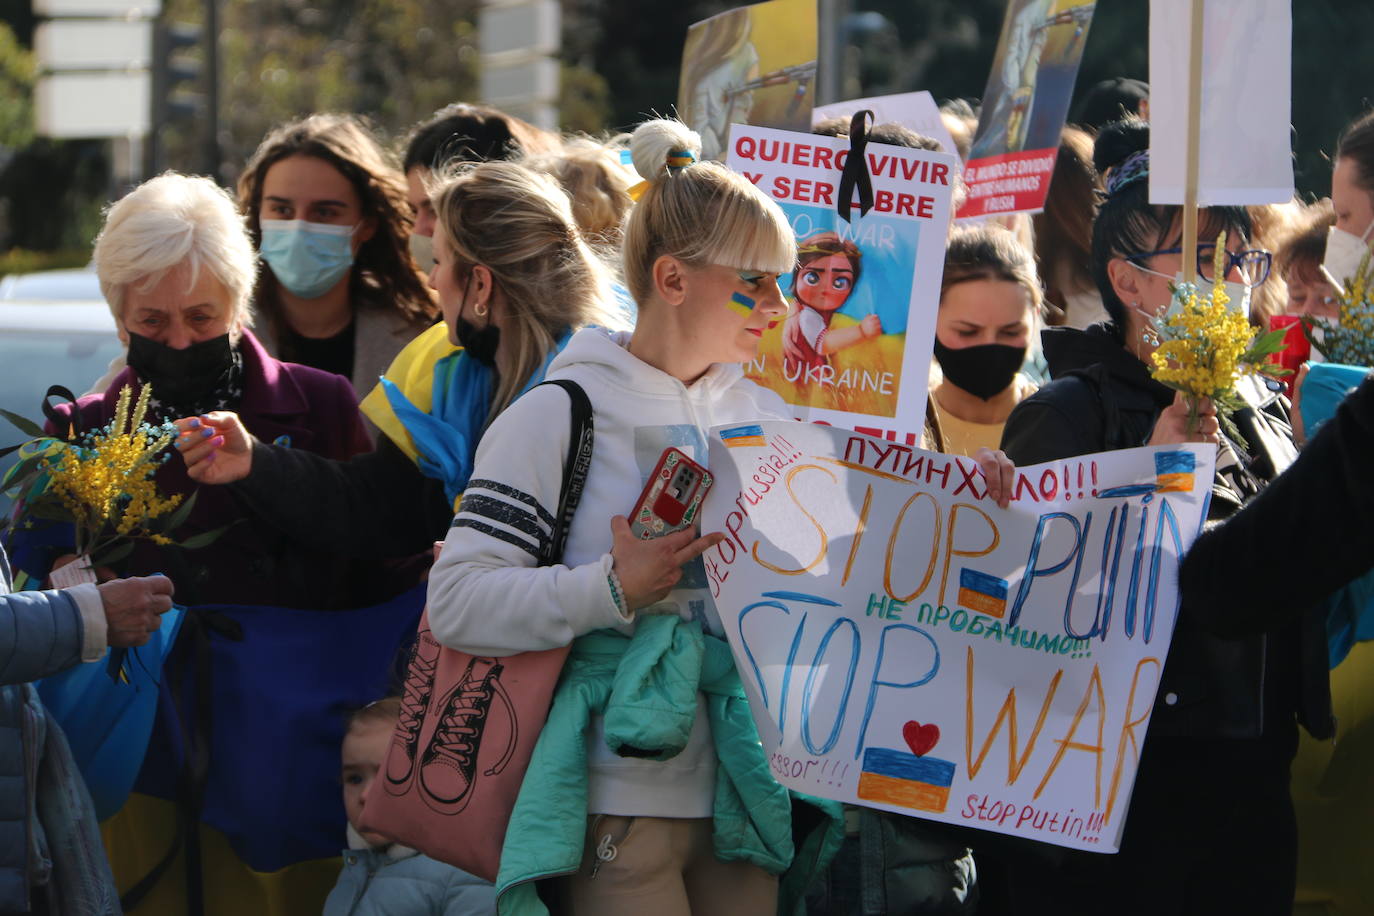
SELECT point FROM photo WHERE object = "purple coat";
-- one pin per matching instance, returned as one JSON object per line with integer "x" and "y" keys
{"x": 252, "y": 563}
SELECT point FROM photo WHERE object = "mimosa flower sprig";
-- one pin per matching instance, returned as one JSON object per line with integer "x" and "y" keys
{"x": 102, "y": 484}
{"x": 1205, "y": 347}
{"x": 1349, "y": 339}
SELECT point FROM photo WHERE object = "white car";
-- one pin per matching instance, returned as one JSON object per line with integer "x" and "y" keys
{"x": 52, "y": 285}
{"x": 45, "y": 343}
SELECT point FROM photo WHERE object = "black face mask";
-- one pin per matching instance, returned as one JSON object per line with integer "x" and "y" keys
{"x": 984, "y": 371}
{"x": 479, "y": 343}
{"x": 181, "y": 376}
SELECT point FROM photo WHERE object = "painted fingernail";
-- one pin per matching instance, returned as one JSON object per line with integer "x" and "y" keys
{"x": 179, "y": 443}
{"x": 217, "y": 441}
{"x": 195, "y": 423}
{"x": 207, "y": 433}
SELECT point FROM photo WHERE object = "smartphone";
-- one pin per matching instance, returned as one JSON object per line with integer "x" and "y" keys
{"x": 672, "y": 497}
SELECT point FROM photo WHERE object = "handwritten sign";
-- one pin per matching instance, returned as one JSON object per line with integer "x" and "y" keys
{"x": 1024, "y": 106}
{"x": 907, "y": 645}
{"x": 855, "y": 348}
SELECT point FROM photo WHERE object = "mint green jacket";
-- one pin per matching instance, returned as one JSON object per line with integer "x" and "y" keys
{"x": 646, "y": 688}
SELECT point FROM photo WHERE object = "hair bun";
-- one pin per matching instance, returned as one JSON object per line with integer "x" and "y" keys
{"x": 654, "y": 143}
{"x": 1118, "y": 141}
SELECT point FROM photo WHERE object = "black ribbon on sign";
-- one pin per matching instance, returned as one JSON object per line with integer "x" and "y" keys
{"x": 855, "y": 175}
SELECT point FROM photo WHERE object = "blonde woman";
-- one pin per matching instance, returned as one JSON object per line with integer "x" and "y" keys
{"x": 515, "y": 278}
{"x": 700, "y": 237}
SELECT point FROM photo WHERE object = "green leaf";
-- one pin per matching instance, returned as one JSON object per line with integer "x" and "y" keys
{"x": 23, "y": 424}
{"x": 183, "y": 511}
{"x": 205, "y": 539}
{"x": 1270, "y": 341}
{"x": 18, "y": 475}
{"x": 113, "y": 555}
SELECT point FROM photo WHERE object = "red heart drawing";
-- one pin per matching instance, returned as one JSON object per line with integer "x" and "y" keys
{"x": 920, "y": 738}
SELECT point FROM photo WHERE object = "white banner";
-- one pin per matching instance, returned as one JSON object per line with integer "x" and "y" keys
{"x": 1245, "y": 150}
{"x": 907, "y": 645}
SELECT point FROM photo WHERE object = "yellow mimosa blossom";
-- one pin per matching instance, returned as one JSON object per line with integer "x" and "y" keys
{"x": 1206, "y": 347}
{"x": 107, "y": 485}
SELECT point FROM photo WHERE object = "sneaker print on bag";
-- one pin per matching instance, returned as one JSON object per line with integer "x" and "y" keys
{"x": 419, "y": 687}
{"x": 455, "y": 750}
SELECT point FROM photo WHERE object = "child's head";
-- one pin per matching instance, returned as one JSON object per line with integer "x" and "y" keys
{"x": 364, "y": 753}
{"x": 827, "y": 271}
{"x": 705, "y": 245}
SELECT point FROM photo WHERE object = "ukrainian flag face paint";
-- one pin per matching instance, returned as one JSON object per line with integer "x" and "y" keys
{"x": 742, "y": 305}
{"x": 731, "y": 309}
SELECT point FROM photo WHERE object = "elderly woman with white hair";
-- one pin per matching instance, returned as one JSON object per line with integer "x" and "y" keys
{"x": 177, "y": 267}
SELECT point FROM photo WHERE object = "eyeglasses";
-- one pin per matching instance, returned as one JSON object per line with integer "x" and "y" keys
{"x": 1253, "y": 263}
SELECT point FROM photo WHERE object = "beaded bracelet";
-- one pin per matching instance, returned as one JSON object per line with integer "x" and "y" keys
{"x": 617, "y": 593}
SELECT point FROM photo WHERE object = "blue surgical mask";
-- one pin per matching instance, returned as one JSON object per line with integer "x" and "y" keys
{"x": 307, "y": 258}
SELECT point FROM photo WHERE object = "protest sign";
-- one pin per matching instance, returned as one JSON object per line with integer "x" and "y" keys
{"x": 908, "y": 646}
{"x": 1024, "y": 106}
{"x": 750, "y": 65}
{"x": 1243, "y": 152}
{"x": 855, "y": 348}
{"x": 916, "y": 110}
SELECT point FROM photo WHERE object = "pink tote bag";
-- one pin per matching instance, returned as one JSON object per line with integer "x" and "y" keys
{"x": 469, "y": 723}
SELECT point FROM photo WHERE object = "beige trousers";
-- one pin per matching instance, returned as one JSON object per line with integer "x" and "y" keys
{"x": 632, "y": 866}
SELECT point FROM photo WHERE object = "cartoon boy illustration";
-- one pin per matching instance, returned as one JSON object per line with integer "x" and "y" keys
{"x": 827, "y": 271}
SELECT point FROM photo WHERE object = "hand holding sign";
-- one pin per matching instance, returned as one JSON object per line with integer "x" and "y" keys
{"x": 648, "y": 570}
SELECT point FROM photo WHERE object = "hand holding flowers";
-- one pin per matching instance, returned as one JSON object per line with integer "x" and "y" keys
{"x": 1205, "y": 348}
{"x": 102, "y": 484}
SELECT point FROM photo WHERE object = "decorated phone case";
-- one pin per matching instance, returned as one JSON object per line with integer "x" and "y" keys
{"x": 672, "y": 497}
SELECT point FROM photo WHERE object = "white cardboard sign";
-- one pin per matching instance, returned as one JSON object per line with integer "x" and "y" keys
{"x": 907, "y": 645}
{"x": 1245, "y": 146}
{"x": 865, "y": 291}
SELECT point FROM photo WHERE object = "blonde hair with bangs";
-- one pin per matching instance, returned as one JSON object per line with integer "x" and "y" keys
{"x": 519, "y": 225}
{"x": 701, "y": 214}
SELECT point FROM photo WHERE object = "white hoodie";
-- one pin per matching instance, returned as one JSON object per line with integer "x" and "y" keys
{"x": 487, "y": 597}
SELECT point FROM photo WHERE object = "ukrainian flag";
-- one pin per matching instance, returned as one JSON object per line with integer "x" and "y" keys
{"x": 982, "y": 593}
{"x": 742, "y": 436}
{"x": 271, "y": 823}
{"x": 905, "y": 780}
{"x": 1174, "y": 472}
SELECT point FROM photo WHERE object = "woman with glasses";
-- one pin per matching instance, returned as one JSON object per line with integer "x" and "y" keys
{"x": 1210, "y": 827}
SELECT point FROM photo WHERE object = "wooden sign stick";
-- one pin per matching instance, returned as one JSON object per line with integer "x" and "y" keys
{"x": 1193, "y": 138}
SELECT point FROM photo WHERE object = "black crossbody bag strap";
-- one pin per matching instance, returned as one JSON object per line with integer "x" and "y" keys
{"x": 574, "y": 469}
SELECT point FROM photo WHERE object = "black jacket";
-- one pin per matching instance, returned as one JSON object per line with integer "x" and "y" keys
{"x": 376, "y": 504}
{"x": 1102, "y": 398}
{"x": 1326, "y": 500}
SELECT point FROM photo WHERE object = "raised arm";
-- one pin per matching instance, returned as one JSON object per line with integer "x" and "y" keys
{"x": 1327, "y": 496}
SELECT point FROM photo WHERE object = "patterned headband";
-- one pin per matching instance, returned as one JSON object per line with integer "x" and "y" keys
{"x": 1135, "y": 167}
